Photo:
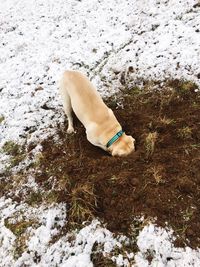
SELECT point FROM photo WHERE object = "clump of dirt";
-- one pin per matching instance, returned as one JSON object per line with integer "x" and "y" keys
{"x": 160, "y": 179}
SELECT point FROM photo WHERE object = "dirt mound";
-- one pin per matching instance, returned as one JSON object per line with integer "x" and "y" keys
{"x": 161, "y": 179}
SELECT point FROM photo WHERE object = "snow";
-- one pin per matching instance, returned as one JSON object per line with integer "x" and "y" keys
{"x": 51, "y": 220}
{"x": 157, "y": 242}
{"x": 75, "y": 248}
{"x": 40, "y": 39}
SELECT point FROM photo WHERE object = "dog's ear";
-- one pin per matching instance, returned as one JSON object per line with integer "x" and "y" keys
{"x": 133, "y": 140}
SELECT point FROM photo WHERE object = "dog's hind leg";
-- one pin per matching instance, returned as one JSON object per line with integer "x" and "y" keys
{"x": 67, "y": 108}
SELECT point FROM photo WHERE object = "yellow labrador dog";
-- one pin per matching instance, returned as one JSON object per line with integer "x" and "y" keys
{"x": 102, "y": 128}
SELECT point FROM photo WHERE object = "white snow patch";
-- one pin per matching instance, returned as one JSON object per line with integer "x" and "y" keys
{"x": 158, "y": 243}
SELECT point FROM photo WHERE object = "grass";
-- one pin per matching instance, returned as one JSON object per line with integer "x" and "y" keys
{"x": 52, "y": 197}
{"x": 182, "y": 87}
{"x": 156, "y": 172}
{"x": 185, "y": 133}
{"x": 11, "y": 148}
{"x": 34, "y": 198}
{"x": 2, "y": 118}
{"x": 166, "y": 121}
{"x": 186, "y": 86}
{"x": 18, "y": 228}
{"x": 135, "y": 91}
{"x": 20, "y": 246}
{"x": 150, "y": 142}
{"x": 187, "y": 217}
{"x": 16, "y": 152}
{"x": 83, "y": 202}
{"x": 64, "y": 182}
{"x": 195, "y": 146}
{"x": 39, "y": 157}
{"x": 100, "y": 260}
{"x": 14, "y": 161}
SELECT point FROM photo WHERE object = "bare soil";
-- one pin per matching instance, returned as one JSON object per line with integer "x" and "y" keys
{"x": 163, "y": 183}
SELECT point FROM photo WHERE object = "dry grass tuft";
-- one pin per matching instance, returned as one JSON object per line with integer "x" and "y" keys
{"x": 185, "y": 133}
{"x": 150, "y": 141}
{"x": 83, "y": 202}
{"x": 157, "y": 173}
{"x": 166, "y": 121}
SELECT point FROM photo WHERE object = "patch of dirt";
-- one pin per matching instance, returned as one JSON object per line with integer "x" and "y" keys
{"x": 164, "y": 183}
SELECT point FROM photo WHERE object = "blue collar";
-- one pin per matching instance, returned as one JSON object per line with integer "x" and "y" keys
{"x": 114, "y": 138}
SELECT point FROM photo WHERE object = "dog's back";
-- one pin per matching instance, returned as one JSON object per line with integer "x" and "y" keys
{"x": 85, "y": 100}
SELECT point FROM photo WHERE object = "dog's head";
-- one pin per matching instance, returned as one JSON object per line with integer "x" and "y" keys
{"x": 123, "y": 146}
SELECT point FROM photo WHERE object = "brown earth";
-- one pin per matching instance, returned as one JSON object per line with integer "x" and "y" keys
{"x": 161, "y": 179}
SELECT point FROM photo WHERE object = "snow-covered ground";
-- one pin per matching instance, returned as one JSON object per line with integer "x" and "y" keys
{"x": 75, "y": 248}
{"x": 42, "y": 38}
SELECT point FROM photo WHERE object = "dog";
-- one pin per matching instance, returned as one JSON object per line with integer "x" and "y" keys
{"x": 102, "y": 128}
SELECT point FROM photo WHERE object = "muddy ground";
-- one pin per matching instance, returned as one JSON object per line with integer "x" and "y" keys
{"x": 160, "y": 180}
